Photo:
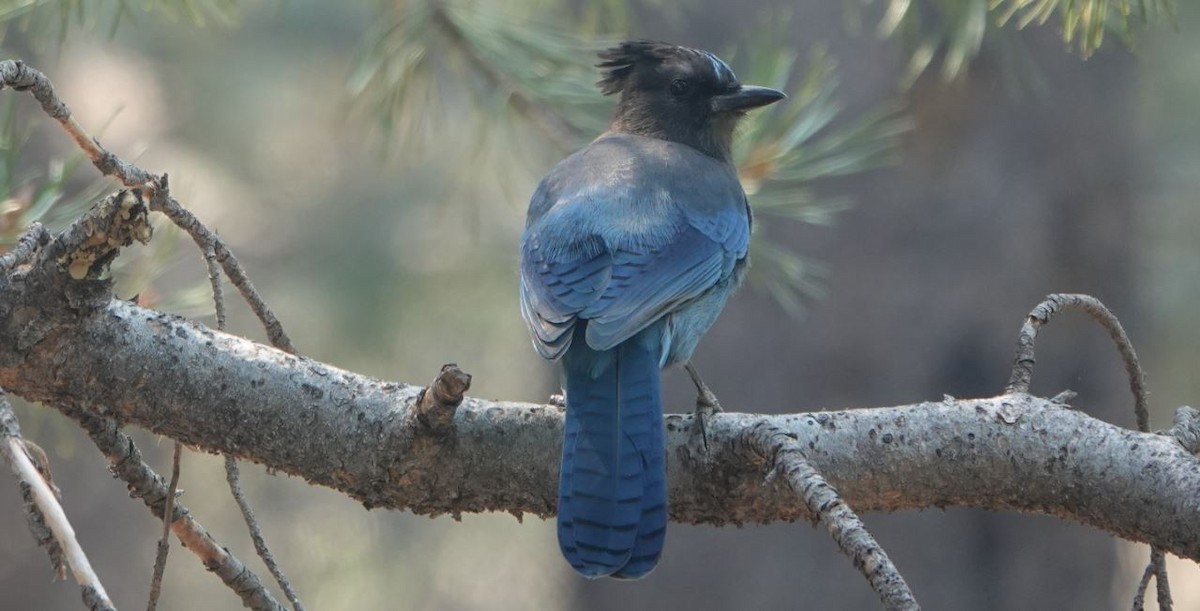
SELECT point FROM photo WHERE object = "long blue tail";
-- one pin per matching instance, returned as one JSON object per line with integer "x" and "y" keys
{"x": 612, "y": 503}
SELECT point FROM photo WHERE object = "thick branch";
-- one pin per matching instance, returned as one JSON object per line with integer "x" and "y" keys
{"x": 361, "y": 436}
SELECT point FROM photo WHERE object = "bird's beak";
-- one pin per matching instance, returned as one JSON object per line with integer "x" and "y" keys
{"x": 745, "y": 98}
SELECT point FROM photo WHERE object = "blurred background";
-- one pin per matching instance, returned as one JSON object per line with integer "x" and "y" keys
{"x": 933, "y": 176}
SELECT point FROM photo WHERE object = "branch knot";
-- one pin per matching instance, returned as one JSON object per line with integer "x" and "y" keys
{"x": 437, "y": 402}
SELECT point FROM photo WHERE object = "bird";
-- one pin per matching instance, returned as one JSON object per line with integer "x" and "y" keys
{"x": 631, "y": 247}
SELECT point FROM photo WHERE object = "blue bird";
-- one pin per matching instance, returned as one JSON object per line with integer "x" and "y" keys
{"x": 631, "y": 247}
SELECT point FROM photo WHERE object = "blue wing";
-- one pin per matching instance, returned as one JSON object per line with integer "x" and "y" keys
{"x": 627, "y": 252}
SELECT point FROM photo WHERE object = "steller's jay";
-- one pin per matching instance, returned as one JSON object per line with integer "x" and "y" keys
{"x": 631, "y": 247}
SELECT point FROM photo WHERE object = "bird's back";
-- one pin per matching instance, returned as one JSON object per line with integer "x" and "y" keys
{"x": 625, "y": 182}
{"x": 623, "y": 233}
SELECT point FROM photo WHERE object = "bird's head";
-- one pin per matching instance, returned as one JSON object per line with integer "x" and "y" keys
{"x": 678, "y": 94}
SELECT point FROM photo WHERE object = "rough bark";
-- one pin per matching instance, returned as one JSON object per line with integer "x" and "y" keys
{"x": 68, "y": 344}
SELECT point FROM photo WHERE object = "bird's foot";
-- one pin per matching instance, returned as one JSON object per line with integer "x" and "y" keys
{"x": 706, "y": 404}
{"x": 558, "y": 400}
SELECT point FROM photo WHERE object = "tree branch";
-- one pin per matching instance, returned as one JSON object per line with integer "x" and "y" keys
{"x": 785, "y": 456}
{"x": 144, "y": 483}
{"x": 360, "y": 435}
{"x": 45, "y": 511}
{"x": 64, "y": 341}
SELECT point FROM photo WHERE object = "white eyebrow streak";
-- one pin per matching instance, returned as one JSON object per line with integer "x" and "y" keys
{"x": 720, "y": 68}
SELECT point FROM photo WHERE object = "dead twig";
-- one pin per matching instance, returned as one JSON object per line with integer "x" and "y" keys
{"x": 34, "y": 238}
{"x": 437, "y": 403}
{"x": 47, "y": 511}
{"x": 260, "y": 544}
{"x": 144, "y": 483}
{"x": 1022, "y": 375}
{"x": 1022, "y": 372}
{"x": 206, "y": 240}
{"x": 785, "y": 458}
{"x": 17, "y": 75}
{"x": 164, "y": 542}
{"x": 232, "y": 474}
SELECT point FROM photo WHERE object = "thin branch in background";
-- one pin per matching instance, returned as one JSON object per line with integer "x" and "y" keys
{"x": 49, "y": 512}
{"x": 21, "y": 77}
{"x": 127, "y": 464}
{"x": 164, "y": 543}
{"x": 33, "y": 515}
{"x": 260, "y": 544}
{"x": 1139, "y": 597}
{"x": 785, "y": 457}
{"x": 205, "y": 239}
{"x": 232, "y": 474}
{"x": 214, "y": 279}
{"x": 1022, "y": 375}
{"x": 17, "y": 75}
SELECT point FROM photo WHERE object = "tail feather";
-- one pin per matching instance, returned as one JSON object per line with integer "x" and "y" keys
{"x": 652, "y": 527}
{"x": 612, "y": 488}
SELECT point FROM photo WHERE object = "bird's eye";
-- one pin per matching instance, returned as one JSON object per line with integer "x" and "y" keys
{"x": 680, "y": 87}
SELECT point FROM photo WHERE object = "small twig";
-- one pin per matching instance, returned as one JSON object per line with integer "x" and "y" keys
{"x": 207, "y": 240}
{"x": 214, "y": 279}
{"x": 50, "y": 510}
{"x": 1186, "y": 428}
{"x": 1155, "y": 568}
{"x": 164, "y": 542}
{"x": 1158, "y": 560}
{"x": 260, "y": 544}
{"x": 437, "y": 403}
{"x": 37, "y": 522}
{"x": 232, "y": 474}
{"x": 21, "y": 77}
{"x": 34, "y": 237}
{"x": 1022, "y": 372}
{"x": 1022, "y": 375}
{"x": 785, "y": 456}
{"x": 144, "y": 483}
{"x": 15, "y": 74}
{"x": 1139, "y": 597}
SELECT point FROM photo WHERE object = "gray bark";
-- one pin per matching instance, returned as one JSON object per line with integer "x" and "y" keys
{"x": 68, "y": 344}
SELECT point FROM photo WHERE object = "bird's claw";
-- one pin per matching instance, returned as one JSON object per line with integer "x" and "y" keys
{"x": 706, "y": 404}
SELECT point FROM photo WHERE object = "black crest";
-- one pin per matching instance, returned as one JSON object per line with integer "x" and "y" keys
{"x": 617, "y": 63}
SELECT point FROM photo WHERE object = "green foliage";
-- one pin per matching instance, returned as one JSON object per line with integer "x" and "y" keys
{"x": 955, "y": 30}
{"x": 512, "y": 75}
{"x": 1084, "y": 21}
{"x": 30, "y": 196}
{"x": 58, "y": 195}
{"x": 53, "y": 19}
{"x": 422, "y": 54}
{"x": 782, "y": 152}
{"x": 544, "y": 75}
